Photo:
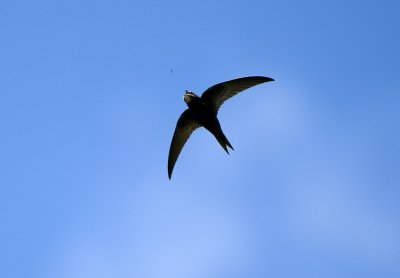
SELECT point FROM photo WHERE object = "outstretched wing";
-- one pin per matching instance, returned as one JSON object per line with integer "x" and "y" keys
{"x": 184, "y": 128}
{"x": 215, "y": 96}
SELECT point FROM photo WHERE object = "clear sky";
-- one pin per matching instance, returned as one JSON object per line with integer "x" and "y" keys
{"x": 87, "y": 111}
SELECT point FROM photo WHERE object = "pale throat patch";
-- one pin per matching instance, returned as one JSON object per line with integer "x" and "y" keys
{"x": 187, "y": 98}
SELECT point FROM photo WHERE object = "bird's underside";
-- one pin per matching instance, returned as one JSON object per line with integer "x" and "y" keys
{"x": 203, "y": 111}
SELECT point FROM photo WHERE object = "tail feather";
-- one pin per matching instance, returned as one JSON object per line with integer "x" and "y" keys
{"x": 223, "y": 141}
{"x": 229, "y": 144}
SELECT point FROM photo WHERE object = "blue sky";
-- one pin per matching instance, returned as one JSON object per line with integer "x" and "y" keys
{"x": 89, "y": 105}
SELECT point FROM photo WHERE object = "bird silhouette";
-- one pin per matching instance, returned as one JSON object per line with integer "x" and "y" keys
{"x": 202, "y": 112}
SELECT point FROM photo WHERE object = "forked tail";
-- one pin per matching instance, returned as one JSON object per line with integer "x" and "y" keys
{"x": 223, "y": 141}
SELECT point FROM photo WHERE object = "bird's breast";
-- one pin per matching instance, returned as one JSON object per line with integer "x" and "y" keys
{"x": 201, "y": 111}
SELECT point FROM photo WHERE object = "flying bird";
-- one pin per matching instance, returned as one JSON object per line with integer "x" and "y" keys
{"x": 202, "y": 112}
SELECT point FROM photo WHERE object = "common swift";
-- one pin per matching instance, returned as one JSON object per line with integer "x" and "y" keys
{"x": 202, "y": 112}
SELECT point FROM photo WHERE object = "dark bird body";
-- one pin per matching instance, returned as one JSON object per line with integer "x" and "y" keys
{"x": 203, "y": 111}
{"x": 206, "y": 117}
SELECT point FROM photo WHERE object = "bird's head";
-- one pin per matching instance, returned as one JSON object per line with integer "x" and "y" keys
{"x": 189, "y": 96}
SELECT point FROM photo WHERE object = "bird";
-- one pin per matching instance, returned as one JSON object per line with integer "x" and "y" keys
{"x": 202, "y": 112}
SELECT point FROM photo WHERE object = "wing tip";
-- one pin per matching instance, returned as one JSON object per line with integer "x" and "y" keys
{"x": 260, "y": 78}
{"x": 170, "y": 169}
{"x": 267, "y": 79}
